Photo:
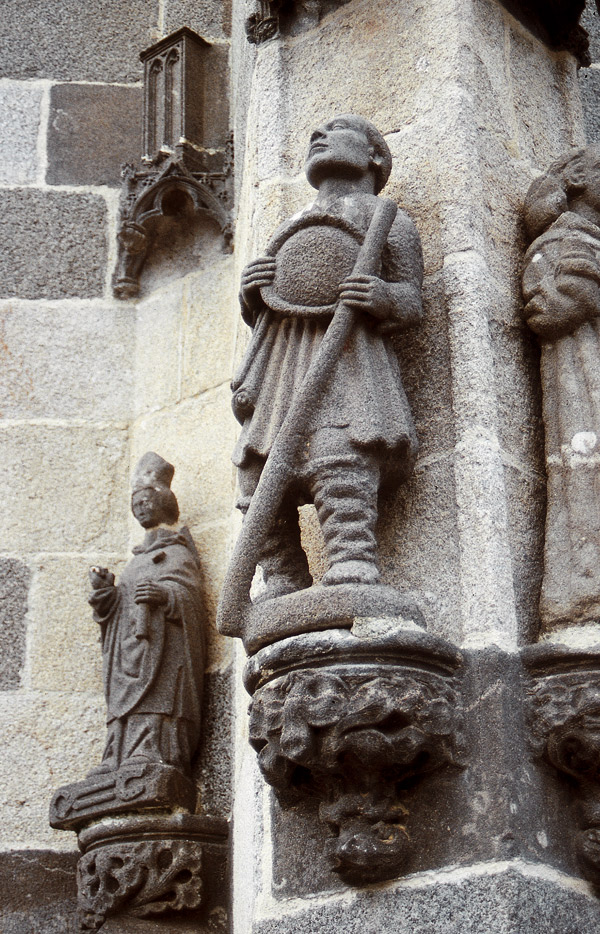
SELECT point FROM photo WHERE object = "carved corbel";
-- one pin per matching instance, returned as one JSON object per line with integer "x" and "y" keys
{"x": 556, "y": 24}
{"x": 188, "y": 161}
{"x": 347, "y": 721}
{"x": 264, "y": 17}
{"x": 262, "y": 20}
{"x": 165, "y": 189}
{"x": 144, "y": 867}
{"x": 564, "y": 710}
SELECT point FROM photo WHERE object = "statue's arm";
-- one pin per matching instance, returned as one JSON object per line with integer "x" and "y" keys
{"x": 104, "y": 596}
{"x": 171, "y": 588}
{"x": 394, "y": 298}
{"x": 256, "y": 275}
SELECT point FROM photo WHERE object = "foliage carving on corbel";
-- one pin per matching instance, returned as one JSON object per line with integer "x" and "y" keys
{"x": 350, "y": 738}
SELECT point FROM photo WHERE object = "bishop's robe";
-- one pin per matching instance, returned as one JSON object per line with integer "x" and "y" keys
{"x": 153, "y": 656}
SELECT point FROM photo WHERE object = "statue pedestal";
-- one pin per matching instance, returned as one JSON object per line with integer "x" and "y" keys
{"x": 154, "y": 866}
{"x": 321, "y": 608}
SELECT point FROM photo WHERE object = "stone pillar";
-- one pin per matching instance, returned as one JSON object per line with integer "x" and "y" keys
{"x": 473, "y": 107}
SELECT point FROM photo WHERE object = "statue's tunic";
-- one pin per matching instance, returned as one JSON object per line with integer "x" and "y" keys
{"x": 153, "y": 656}
{"x": 570, "y": 368}
{"x": 315, "y": 251}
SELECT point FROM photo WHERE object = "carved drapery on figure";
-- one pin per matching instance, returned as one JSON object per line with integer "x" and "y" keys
{"x": 151, "y": 627}
{"x": 561, "y": 286}
{"x": 152, "y": 634}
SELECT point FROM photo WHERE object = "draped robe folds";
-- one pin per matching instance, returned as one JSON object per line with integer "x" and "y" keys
{"x": 570, "y": 368}
{"x": 365, "y": 394}
{"x": 159, "y": 673}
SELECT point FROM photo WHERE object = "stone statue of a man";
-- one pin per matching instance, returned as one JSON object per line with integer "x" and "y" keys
{"x": 561, "y": 288}
{"x": 361, "y": 431}
{"x": 151, "y": 626}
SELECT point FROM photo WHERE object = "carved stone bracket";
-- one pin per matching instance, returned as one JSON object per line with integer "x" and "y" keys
{"x": 166, "y": 188}
{"x": 264, "y": 17}
{"x": 347, "y": 720}
{"x": 565, "y": 727}
{"x": 143, "y": 867}
{"x": 188, "y": 151}
{"x": 262, "y": 20}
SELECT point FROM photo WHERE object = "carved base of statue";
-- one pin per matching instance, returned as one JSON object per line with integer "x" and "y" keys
{"x": 345, "y": 717}
{"x": 134, "y": 786}
{"x": 319, "y": 608}
{"x": 149, "y": 867}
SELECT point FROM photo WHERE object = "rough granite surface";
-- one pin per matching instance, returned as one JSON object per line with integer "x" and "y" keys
{"x": 14, "y": 584}
{"x": 92, "y": 131}
{"x": 52, "y": 244}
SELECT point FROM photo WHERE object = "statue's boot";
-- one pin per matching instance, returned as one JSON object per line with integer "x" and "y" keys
{"x": 282, "y": 559}
{"x": 345, "y": 496}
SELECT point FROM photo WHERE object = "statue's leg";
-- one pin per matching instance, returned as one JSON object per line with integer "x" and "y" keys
{"x": 282, "y": 558}
{"x": 345, "y": 486}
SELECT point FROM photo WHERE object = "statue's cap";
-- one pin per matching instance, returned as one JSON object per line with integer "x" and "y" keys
{"x": 152, "y": 471}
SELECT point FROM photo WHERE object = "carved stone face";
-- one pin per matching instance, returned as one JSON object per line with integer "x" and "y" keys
{"x": 339, "y": 146}
{"x": 147, "y": 507}
{"x": 592, "y": 180}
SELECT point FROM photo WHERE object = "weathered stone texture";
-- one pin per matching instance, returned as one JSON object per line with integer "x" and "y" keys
{"x": 213, "y": 542}
{"x": 158, "y": 348}
{"x": 209, "y": 18}
{"x": 44, "y": 744}
{"x": 67, "y": 361}
{"x": 419, "y": 548}
{"x": 209, "y": 317}
{"x": 590, "y": 20}
{"x": 92, "y": 41}
{"x": 14, "y": 586}
{"x": 20, "y": 108}
{"x": 184, "y": 334}
{"x": 92, "y": 131}
{"x": 38, "y": 892}
{"x": 540, "y": 81}
{"x": 64, "y": 487}
{"x": 425, "y": 363}
{"x": 589, "y": 82}
{"x": 196, "y": 435}
{"x": 64, "y": 649}
{"x": 52, "y": 245}
{"x": 180, "y": 249}
{"x": 214, "y": 768}
{"x": 495, "y": 902}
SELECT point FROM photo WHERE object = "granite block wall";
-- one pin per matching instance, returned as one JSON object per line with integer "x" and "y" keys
{"x": 87, "y": 384}
{"x": 473, "y": 107}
